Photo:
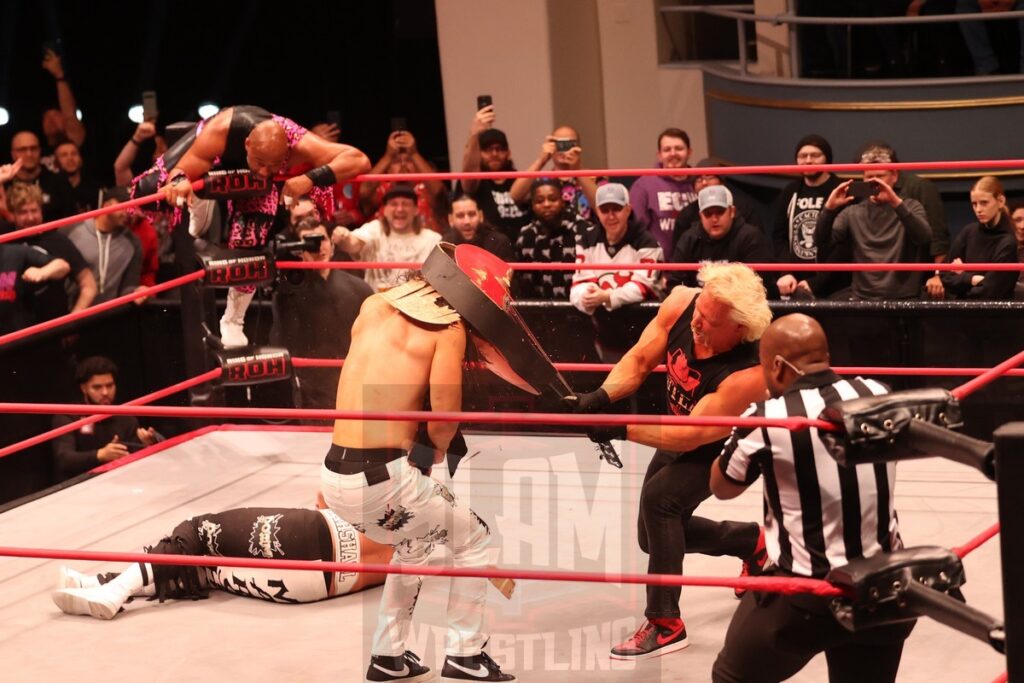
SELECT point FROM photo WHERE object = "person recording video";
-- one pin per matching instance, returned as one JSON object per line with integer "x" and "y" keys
{"x": 314, "y": 310}
{"x": 100, "y": 442}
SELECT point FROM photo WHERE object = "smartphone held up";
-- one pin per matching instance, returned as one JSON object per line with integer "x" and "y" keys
{"x": 861, "y": 189}
{"x": 149, "y": 109}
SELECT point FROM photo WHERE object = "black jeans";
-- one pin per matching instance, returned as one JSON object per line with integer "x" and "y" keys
{"x": 673, "y": 488}
{"x": 772, "y": 636}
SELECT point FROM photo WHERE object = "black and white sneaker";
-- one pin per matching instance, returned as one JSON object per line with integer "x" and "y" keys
{"x": 477, "y": 668}
{"x": 405, "y": 668}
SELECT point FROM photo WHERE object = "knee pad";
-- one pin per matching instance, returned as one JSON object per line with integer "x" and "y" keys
{"x": 179, "y": 581}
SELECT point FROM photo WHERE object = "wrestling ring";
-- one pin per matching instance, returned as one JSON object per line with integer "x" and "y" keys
{"x": 563, "y": 519}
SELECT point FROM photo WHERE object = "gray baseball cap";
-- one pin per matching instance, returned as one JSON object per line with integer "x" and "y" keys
{"x": 714, "y": 195}
{"x": 612, "y": 193}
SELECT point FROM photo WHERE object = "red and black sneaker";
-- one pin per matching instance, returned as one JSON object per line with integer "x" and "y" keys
{"x": 655, "y": 638}
{"x": 753, "y": 565}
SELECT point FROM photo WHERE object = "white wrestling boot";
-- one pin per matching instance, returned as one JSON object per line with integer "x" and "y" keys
{"x": 201, "y": 216}
{"x": 69, "y": 578}
{"x": 232, "y": 335}
{"x": 106, "y": 600}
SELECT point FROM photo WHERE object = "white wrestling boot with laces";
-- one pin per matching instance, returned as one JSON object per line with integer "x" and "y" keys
{"x": 104, "y": 601}
{"x": 232, "y": 335}
{"x": 69, "y": 578}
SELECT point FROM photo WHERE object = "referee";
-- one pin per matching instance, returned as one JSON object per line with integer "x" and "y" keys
{"x": 818, "y": 515}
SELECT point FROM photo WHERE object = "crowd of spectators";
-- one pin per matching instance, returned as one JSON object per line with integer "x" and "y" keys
{"x": 818, "y": 218}
{"x": 883, "y": 216}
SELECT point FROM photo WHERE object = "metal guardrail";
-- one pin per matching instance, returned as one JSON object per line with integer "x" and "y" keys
{"x": 745, "y": 13}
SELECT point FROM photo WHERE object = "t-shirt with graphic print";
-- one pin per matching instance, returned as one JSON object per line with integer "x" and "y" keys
{"x": 793, "y": 236}
{"x": 657, "y": 201}
{"x": 392, "y": 247}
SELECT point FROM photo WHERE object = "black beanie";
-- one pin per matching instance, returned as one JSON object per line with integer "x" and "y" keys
{"x": 815, "y": 141}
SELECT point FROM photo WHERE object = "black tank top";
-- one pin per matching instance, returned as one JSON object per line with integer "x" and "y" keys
{"x": 688, "y": 379}
{"x": 243, "y": 119}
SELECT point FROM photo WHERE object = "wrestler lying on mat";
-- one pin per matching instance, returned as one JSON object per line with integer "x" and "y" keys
{"x": 272, "y": 533}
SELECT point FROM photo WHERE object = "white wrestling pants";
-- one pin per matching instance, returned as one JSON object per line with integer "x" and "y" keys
{"x": 413, "y": 513}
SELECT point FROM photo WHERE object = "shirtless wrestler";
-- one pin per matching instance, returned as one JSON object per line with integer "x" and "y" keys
{"x": 395, "y": 363}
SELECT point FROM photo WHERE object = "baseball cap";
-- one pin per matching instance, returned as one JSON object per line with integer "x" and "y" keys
{"x": 399, "y": 190}
{"x": 612, "y": 193}
{"x": 714, "y": 195}
{"x": 492, "y": 136}
{"x": 116, "y": 192}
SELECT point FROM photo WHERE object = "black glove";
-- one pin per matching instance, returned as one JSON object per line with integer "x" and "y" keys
{"x": 457, "y": 450}
{"x": 422, "y": 457}
{"x": 422, "y": 452}
{"x": 604, "y": 434}
{"x": 588, "y": 402}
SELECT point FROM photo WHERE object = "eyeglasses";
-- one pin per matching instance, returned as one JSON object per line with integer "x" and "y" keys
{"x": 798, "y": 371}
{"x": 810, "y": 155}
{"x": 32, "y": 148}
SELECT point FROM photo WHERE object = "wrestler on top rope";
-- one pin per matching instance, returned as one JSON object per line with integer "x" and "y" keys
{"x": 707, "y": 337}
{"x": 243, "y": 137}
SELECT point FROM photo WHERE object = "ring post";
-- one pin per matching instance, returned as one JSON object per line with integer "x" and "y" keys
{"x": 1009, "y": 440}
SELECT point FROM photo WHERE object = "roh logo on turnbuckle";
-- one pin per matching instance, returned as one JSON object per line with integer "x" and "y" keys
{"x": 255, "y": 366}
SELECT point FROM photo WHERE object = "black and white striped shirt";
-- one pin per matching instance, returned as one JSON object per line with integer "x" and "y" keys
{"x": 817, "y": 514}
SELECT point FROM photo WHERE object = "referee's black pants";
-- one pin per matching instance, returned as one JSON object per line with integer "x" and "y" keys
{"x": 673, "y": 488}
{"x": 772, "y": 636}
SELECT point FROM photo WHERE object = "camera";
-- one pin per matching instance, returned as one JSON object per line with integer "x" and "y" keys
{"x": 285, "y": 250}
{"x": 565, "y": 144}
{"x": 292, "y": 251}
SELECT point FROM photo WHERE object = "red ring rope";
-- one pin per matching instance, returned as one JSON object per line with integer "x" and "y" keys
{"x": 662, "y": 266}
{"x": 86, "y": 215}
{"x": 417, "y": 416}
{"x": 99, "y": 308}
{"x": 788, "y": 585}
{"x": 607, "y": 367}
{"x": 562, "y": 367}
{"x": 973, "y": 544}
{"x": 763, "y": 169}
{"x": 986, "y": 378}
{"x": 793, "y": 169}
